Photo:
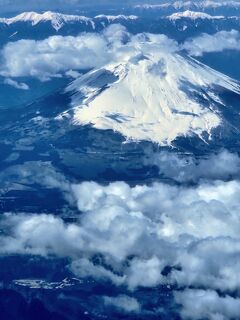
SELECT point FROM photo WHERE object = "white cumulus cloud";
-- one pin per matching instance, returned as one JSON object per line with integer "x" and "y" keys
{"x": 58, "y": 55}
{"x": 53, "y": 56}
{"x": 217, "y": 42}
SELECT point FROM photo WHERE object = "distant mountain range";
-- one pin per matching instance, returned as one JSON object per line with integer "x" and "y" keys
{"x": 200, "y": 5}
{"x": 32, "y": 25}
{"x": 58, "y": 20}
{"x": 226, "y": 8}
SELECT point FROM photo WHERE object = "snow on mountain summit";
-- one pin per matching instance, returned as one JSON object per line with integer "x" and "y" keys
{"x": 117, "y": 17}
{"x": 193, "y": 15}
{"x": 57, "y": 19}
{"x": 155, "y": 96}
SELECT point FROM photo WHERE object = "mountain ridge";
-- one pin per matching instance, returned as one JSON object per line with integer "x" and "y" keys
{"x": 58, "y": 20}
{"x": 193, "y": 15}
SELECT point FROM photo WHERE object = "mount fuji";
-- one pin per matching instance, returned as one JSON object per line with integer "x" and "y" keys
{"x": 154, "y": 96}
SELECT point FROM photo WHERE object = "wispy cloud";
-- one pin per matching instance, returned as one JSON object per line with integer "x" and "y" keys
{"x": 15, "y": 84}
{"x": 223, "y": 165}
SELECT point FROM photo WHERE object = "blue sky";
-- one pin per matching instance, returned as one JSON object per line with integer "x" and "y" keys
{"x": 10, "y": 6}
{"x": 66, "y": 5}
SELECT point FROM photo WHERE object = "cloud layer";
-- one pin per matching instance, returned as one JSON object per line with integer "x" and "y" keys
{"x": 56, "y": 55}
{"x": 139, "y": 231}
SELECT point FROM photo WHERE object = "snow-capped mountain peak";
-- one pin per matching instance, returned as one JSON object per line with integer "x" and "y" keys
{"x": 193, "y": 15}
{"x": 155, "y": 96}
